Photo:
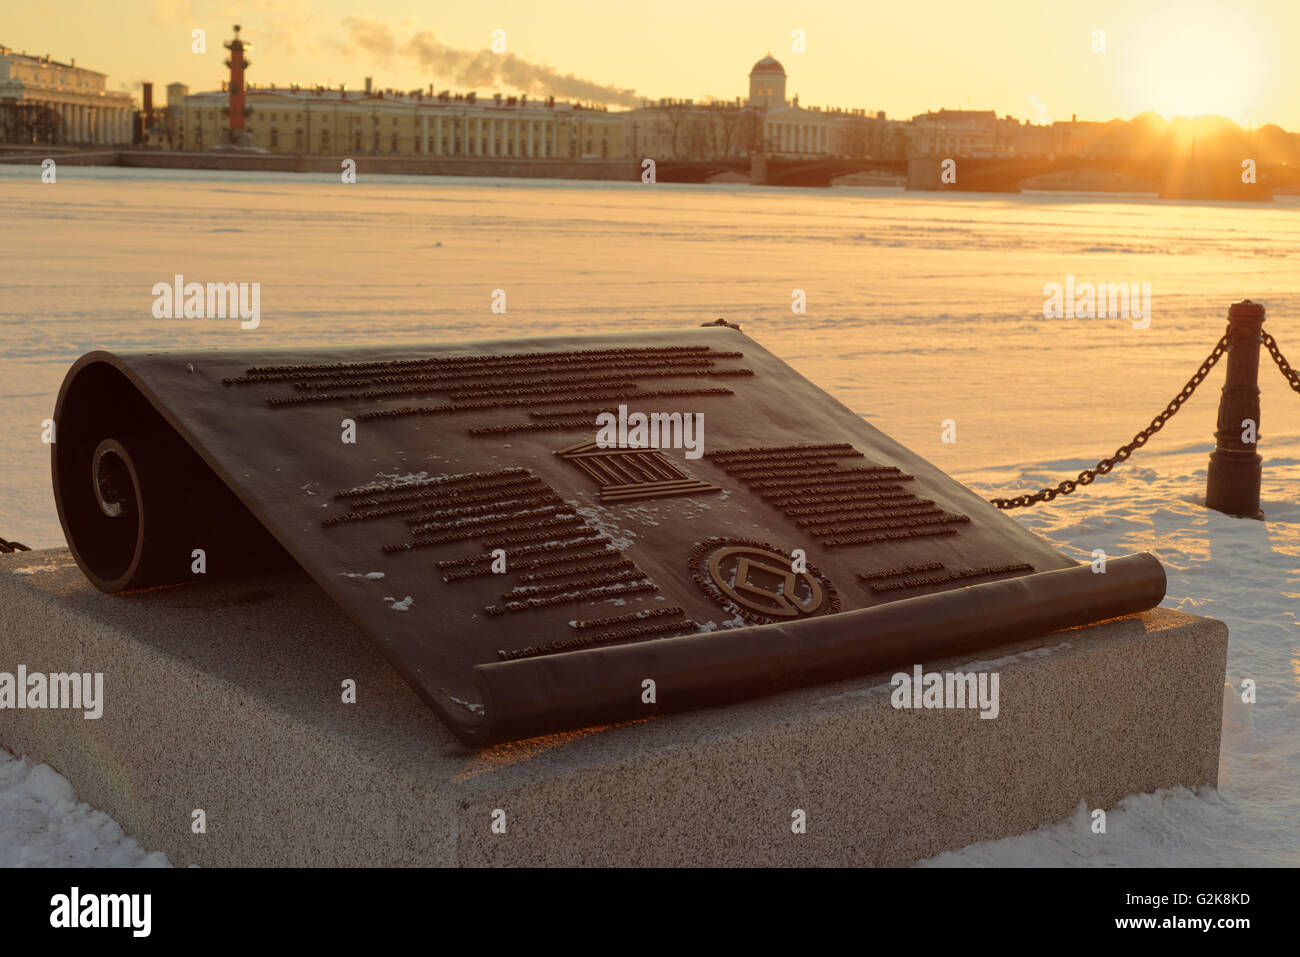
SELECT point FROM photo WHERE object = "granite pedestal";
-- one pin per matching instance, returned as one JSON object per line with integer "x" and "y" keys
{"x": 229, "y": 697}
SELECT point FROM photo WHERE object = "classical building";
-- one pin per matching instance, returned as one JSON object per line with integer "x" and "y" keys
{"x": 977, "y": 133}
{"x": 765, "y": 122}
{"x": 341, "y": 121}
{"x": 788, "y": 128}
{"x": 952, "y": 133}
{"x": 44, "y": 101}
{"x": 684, "y": 129}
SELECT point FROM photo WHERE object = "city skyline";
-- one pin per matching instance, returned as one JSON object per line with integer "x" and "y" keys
{"x": 1190, "y": 58}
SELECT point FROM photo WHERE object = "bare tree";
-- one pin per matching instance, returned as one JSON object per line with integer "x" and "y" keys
{"x": 673, "y": 124}
{"x": 29, "y": 123}
{"x": 741, "y": 132}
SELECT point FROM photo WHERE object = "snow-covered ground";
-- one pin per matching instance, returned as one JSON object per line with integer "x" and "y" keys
{"x": 920, "y": 308}
{"x": 1243, "y": 572}
{"x": 42, "y": 824}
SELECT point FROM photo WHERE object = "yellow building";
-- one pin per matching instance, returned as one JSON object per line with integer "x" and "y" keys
{"x": 977, "y": 133}
{"x": 385, "y": 122}
{"x": 42, "y": 100}
{"x": 341, "y": 122}
{"x": 766, "y": 122}
{"x": 683, "y": 129}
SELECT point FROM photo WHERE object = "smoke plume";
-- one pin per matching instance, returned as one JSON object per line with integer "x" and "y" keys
{"x": 482, "y": 69}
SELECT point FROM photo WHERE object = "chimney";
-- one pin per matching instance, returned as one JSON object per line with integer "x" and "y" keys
{"x": 147, "y": 93}
{"x": 368, "y": 82}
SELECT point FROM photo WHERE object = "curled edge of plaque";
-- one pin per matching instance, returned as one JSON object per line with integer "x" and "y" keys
{"x": 127, "y": 475}
{"x": 134, "y": 492}
{"x": 603, "y": 685}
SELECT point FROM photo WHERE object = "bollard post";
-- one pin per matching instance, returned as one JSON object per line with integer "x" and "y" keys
{"x": 1232, "y": 485}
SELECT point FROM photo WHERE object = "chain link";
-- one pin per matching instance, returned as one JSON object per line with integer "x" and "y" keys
{"x": 1088, "y": 476}
{"x": 1292, "y": 376}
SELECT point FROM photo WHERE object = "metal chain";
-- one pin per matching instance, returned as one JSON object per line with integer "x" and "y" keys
{"x": 1088, "y": 476}
{"x": 1292, "y": 376}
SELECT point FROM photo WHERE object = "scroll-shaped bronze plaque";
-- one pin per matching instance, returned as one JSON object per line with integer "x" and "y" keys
{"x": 522, "y": 578}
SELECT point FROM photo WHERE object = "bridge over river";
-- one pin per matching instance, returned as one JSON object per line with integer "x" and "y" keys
{"x": 1220, "y": 180}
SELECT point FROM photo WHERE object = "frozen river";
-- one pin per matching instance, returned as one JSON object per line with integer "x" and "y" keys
{"x": 920, "y": 308}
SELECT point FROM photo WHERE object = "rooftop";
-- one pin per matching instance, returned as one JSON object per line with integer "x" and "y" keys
{"x": 316, "y": 94}
{"x": 11, "y": 54}
{"x": 768, "y": 64}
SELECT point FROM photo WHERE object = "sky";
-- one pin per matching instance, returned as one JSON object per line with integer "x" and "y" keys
{"x": 1041, "y": 60}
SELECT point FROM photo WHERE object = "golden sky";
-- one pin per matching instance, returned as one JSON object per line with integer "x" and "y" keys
{"x": 1036, "y": 59}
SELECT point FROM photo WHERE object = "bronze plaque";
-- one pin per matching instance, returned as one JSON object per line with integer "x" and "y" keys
{"x": 758, "y": 583}
{"x": 462, "y": 504}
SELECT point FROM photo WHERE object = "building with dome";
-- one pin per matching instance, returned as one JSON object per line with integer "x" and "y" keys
{"x": 767, "y": 83}
{"x": 338, "y": 121}
{"x": 791, "y": 130}
{"x": 764, "y": 122}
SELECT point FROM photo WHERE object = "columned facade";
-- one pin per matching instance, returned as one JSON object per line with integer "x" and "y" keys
{"x": 61, "y": 103}
{"x": 346, "y": 123}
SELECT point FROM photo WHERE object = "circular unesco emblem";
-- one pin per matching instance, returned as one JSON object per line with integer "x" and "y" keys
{"x": 757, "y": 582}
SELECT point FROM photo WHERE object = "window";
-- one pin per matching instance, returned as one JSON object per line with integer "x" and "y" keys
{"x": 275, "y": 138}
{"x": 394, "y": 141}
{"x": 297, "y": 140}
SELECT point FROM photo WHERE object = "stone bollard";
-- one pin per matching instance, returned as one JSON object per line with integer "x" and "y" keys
{"x": 1232, "y": 485}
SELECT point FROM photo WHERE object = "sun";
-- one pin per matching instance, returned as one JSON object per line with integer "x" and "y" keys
{"x": 1190, "y": 58}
